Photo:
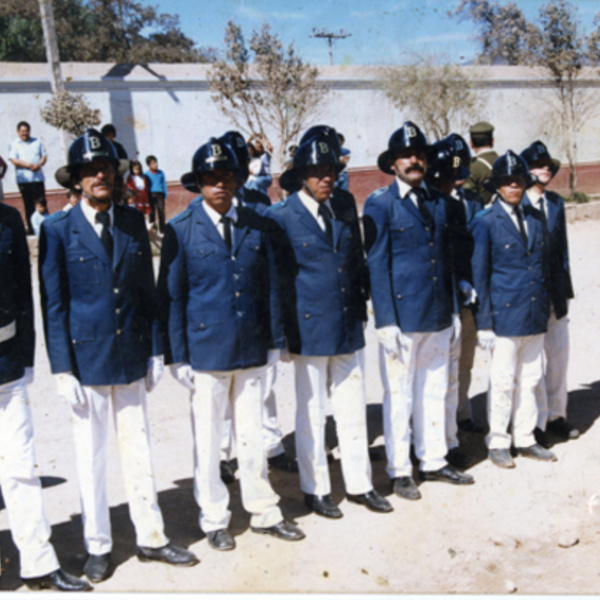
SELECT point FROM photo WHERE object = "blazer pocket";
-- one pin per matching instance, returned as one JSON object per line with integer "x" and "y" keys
{"x": 82, "y": 332}
{"x": 306, "y": 247}
{"x": 403, "y": 235}
{"x": 83, "y": 268}
{"x": 205, "y": 321}
{"x": 203, "y": 252}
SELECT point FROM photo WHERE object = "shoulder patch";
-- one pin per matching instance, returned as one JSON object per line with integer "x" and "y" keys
{"x": 278, "y": 205}
{"x": 182, "y": 216}
{"x": 57, "y": 216}
{"x": 380, "y": 191}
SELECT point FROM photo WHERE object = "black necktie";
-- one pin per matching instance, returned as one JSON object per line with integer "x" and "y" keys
{"x": 227, "y": 231}
{"x": 542, "y": 209}
{"x": 325, "y": 214}
{"x": 105, "y": 237}
{"x": 419, "y": 193}
{"x": 521, "y": 224}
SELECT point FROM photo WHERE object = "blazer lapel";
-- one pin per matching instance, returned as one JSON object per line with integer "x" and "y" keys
{"x": 533, "y": 217}
{"x": 306, "y": 218}
{"x": 409, "y": 205}
{"x": 240, "y": 229}
{"x": 208, "y": 227}
{"x": 121, "y": 234}
{"x": 552, "y": 213}
{"x": 87, "y": 235}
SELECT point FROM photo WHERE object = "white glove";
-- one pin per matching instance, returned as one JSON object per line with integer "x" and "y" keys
{"x": 468, "y": 292}
{"x": 389, "y": 338}
{"x": 456, "y": 329}
{"x": 486, "y": 339}
{"x": 70, "y": 389}
{"x": 28, "y": 375}
{"x": 285, "y": 356}
{"x": 184, "y": 374}
{"x": 273, "y": 356}
{"x": 156, "y": 368}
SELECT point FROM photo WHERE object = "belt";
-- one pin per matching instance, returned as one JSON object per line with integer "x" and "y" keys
{"x": 8, "y": 331}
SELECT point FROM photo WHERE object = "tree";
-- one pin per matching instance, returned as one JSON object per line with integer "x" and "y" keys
{"x": 70, "y": 112}
{"x": 275, "y": 90}
{"x": 440, "y": 96}
{"x": 122, "y": 31}
{"x": 556, "y": 47}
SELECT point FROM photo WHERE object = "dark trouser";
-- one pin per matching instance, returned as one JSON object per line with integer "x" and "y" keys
{"x": 31, "y": 192}
{"x": 157, "y": 204}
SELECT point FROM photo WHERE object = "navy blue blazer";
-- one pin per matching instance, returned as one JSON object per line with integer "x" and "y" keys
{"x": 561, "y": 286}
{"x": 100, "y": 316}
{"x": 216, "y": 304}
{"x": 322, "y": 282}
{"x": 411, "y": 263}
{"x": 510, "y": 278}
{"x": 16, "y": 302}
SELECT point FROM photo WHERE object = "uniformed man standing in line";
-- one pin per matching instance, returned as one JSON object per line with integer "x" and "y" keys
{"x": 103, "y": 341}
{"x": 321, "y": 264}
{"x": 552, "y": 391}
{"x": 510, "y": 273}
{"x": 482, "y": 143}
{"x": 21, "y": 488}
{"x": 219, "y": 301}
{"x": 471, "y": 204}
{"x": 409, "y": 255}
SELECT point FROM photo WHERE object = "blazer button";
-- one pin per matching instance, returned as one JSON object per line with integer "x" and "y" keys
{"x": 399, "y": 296}
{"x": 238, "y": 294}
{"x": 118, "y": 332}
{"x": 426, "y": 228}
{"x": 202, "y": 325}
{"x": 340, "y": 270}
{"x": 431, "y": 244}
{"x": 508, "y": 305}
{"x": 401, "y": 228}
{"x": 507, "y": 246}
{"x": 434, "y": 278}
{"x": 233, "y": 258}
{"x": 305, "y": 244}
{"x": 343, "y": 290}
{"x": 533, "y": 299}
{"x": 433, "y": 261}
{"x": 118, "y": 311}
{"x": 307, "y": 316}
{"x": 240, "y": 314}
{"x": 81, "y": 259}
{"x": 116, "y": 290}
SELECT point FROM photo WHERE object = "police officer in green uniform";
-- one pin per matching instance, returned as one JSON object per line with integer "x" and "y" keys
{"x": 482, "y": 143}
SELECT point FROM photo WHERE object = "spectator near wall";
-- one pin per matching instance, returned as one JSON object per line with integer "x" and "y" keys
{"x": 158, "y": 192}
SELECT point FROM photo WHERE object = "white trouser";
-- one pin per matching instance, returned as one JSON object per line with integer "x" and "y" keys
{"x": 468, "y": 342}
{"x": 451, "y": 401}
{"x": 551, "y": 393}
{"x": 417, "y": 387}
{"x": 243, "y": 391}
{"x": 21, "y": 487}
{"x": 343, "y": 375}
{"x": 272, "y": 435}
{"x": 90, "y": 428}
{"x": 515, "y": 372}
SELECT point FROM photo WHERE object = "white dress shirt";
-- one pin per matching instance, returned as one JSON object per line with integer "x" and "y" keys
{"x": 313, "y": 208}
{"x": 31, "y": 151}
{"x": 405, "y": 190}
{"x": 90, "y": 214}
{"x": 510, "y": 211}
{"x": 538, "y": 200}
{"x": 216, "y": 217}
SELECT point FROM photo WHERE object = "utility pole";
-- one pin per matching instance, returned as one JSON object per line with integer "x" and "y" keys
{"x": 330, "y": 36}
{"x": 53, "y": 57}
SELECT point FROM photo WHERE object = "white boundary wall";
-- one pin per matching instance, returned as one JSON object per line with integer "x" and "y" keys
{"x": 167, "y": 110}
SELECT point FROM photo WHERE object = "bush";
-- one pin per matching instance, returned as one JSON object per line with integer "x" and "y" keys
{"x": 70, "y": 112}
{"x": 579, "y": 198}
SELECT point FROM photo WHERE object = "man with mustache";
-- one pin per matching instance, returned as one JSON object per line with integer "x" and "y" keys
{"x": 409, "y": 255}
{"x": 321, "y": 267}
{"x": 510, "y": 273}
{"x": 103, "y": 341}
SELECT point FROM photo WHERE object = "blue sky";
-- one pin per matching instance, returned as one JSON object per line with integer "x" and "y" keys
{"x": 383, "y": 31}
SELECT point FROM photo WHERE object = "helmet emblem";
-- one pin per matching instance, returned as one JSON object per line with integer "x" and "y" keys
{"x": 411, "y": 132}
{"x": 541, "y": 149}
{"x": 95, "y": 143}
{"x": 216, "y": 149}
{"x": 456, "y": 162}
{"x": 323, "y": 148}
{"x": 512, "y": 161}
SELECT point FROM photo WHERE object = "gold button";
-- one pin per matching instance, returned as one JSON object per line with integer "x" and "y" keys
{"x": 116, "y": 290}
{"x": 118, "y": 332}
{"x": 81, "y": 258}
{"x": 307, "y": 316}
{"x": 343, "y": 289}
{"x": 118, "y": 311}
{"x": 426, "y": 228}
{"x": 533, "y": 299}
{"x": 399, "y": 297}
{"x": 305, "y": 244}
{"x": 238, "y": 294}
{"x": 431, "y": 244}
{"x": 508, "y": 305}
{"x": 340, "y": 270}
{"x": 433, "y": 261}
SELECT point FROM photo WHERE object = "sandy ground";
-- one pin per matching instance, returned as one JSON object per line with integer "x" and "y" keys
{"x": 503, "y": 534}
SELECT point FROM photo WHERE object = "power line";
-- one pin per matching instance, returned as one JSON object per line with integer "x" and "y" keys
{"x": 330, "y": 36}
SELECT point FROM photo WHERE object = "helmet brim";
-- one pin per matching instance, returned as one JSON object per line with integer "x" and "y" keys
{"x": 491, "y": 184}
{"x": 385, "y": 161}
{"x": 190, "y": 183}
{"x": 291, "y": 180}
{"x": 63, "y": 175}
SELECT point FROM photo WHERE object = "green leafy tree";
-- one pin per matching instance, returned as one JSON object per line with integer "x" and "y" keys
{"x": 265, "y": 85}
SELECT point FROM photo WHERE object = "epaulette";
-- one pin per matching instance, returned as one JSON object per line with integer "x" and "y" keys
{"x": 57, "y": 216}
{"x": 483, "y": 212}
{"x": 280, "y": 204}
{"x": 182, "y": 216}
{"x": 380, "y": 191}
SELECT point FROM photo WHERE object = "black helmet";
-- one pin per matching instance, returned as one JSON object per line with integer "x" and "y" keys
{"x": 329, "y": 134}
{"x": 235, "y": 140}
{"x": 212, "y": 156}
{"x": 408, "y": 136}
{"x": 315, "y": 151}
{"x": 445, "y": 163}
{"x": 87, "y": 148}
{"x": 508, "y": 165}
{"x": 538, "y": 152}
{"x": 462, "y": 149}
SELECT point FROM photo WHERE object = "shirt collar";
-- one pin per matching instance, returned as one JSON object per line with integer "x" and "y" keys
{"x": 90, "y": 213}
{"x": 216, "y": 217}
{"x": 509, "y": 208}
{"x": 404, "y": 188}
{"x": 312, "y": 205}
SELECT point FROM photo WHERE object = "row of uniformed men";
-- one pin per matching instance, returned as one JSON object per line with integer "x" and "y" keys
{"x": 236, "y": 290}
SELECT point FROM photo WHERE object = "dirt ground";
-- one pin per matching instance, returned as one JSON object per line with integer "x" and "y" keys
{"x": 504, "y": 534}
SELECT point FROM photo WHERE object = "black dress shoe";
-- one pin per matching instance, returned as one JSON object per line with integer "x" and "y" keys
{"x": 220, "y": 540}
{"x": 563, "y": 429}
{"x": 470, "y": 426}
{"x": 501, "y": 458}
{"x": 172, "y": 555}
{"x": 537, "y": 453}
{"x": 96, "y": 567}
{"x": 282, "y": 462}
{"x": 541, "y": 438}
{"x": 284, "y": 530}
{"x": 59, "y": 581}
{"x": 457, "y": 458}
{"x": 372, "y": 500}
{"x": 447, "y": 474}
{"x": 323, "y": 505}
{"x": 405, "y": 487}
{"x": 227, "y": 475}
